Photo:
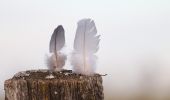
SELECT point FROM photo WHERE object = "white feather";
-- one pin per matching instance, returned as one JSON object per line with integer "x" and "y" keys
{"x": 85, "y": 46}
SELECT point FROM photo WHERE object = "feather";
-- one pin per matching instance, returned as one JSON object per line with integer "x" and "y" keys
{"x": 85, "y": 46}
{"x": 57, "y": 59}
{"x": 57, "y": 39}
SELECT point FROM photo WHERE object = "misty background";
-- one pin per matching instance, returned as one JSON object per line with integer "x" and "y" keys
{"x": 134, "y": 48}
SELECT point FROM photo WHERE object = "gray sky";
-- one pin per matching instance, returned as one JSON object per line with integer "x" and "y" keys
{"x": 134, "y": 33}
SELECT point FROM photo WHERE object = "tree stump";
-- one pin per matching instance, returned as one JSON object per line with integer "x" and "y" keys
{"x": 48, "y": 85}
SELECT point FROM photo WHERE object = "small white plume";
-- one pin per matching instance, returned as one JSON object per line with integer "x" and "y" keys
{"x": 54, "y": 64}
{"x": 56, "y": 60}
{"x": 85, "y": 46}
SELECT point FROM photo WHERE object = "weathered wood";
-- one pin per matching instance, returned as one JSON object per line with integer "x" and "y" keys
{"x": 47, "y": 85}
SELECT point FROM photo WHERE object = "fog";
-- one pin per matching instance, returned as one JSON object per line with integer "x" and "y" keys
{"x": 134, "y": 47}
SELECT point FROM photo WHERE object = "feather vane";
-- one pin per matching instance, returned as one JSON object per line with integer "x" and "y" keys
{"x": 57, "y": 39}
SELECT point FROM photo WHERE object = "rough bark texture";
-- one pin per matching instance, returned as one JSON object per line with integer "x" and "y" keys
{"x": 47, "y": 85}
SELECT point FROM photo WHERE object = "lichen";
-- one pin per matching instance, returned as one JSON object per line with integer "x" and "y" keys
{"x": 49, "y": 76}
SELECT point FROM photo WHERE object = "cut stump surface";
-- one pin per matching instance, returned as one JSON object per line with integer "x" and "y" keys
{"x": 48, "y": 85}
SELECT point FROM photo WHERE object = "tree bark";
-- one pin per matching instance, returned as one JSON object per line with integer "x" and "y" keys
{"x": 48, "y": 85}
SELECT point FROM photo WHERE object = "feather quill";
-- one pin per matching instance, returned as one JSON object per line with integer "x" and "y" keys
{"x": 56, "y": 60}
{"x": 85, "y": 46}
